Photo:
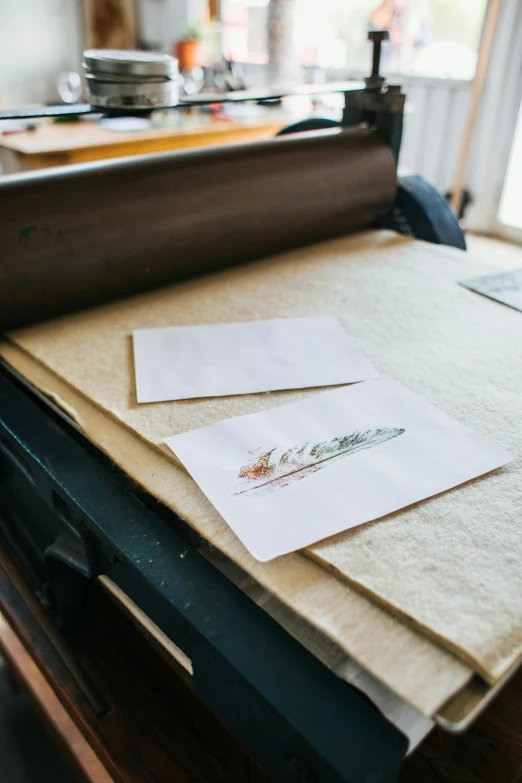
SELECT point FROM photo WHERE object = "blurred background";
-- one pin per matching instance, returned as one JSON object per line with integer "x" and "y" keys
{"x": 432, "y": 52}
{"x": 428, "y": 38}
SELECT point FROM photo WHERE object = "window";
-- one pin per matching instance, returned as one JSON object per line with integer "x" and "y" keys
{"x": 427, "y": 37}
{"x": 245, "y": 35}
{"x": 510, "y": 212}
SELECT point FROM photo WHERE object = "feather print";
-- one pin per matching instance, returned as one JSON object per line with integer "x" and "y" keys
{"x": 265, "y": 472}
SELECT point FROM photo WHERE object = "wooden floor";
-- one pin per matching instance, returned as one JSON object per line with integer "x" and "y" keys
{"x": 489, "y": 752}
{"x": 21, "y": 731}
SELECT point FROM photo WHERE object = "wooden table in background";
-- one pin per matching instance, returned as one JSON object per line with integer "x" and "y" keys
{"x": 59, "y": 144}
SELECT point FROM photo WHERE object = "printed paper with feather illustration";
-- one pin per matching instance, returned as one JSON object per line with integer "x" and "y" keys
{"x": 266, "y": 473}
{"x": 287, "y": 477}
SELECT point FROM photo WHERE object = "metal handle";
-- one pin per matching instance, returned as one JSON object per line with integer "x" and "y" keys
{"x": 375, "y": 80}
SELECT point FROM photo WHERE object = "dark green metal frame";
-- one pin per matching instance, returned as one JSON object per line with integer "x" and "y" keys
{"x": 71, "y": 516}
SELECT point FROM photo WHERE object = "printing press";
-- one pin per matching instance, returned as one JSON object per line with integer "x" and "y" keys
{"x": 317, "y": 671}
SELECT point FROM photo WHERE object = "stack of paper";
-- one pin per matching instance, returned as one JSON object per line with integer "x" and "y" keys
{"x": 286, "y": 478}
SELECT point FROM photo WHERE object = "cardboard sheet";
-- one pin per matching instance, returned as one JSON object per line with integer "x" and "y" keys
{"x": 291, "y": 476}
{"x": 215, "y": 360}
{"x": 450, "y": 565}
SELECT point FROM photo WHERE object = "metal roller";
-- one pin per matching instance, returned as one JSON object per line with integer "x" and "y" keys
{"x": 82, "y": 235}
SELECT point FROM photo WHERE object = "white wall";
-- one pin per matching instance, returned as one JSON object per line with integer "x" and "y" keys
{"x": 436, "y": 111}
{"x": 38, "y": 39}
{"x": 163, "y": 21}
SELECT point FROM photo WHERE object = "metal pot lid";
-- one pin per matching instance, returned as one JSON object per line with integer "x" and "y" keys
{"x": 111, "y": 78}
{"x": 129, "y": 63}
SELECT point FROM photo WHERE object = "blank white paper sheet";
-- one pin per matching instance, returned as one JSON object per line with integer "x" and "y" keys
{"x": 215, "y": 360}
{"x": 288, "y": 477}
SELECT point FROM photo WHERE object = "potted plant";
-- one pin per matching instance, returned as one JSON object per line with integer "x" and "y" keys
{"x": 186, "y": 49}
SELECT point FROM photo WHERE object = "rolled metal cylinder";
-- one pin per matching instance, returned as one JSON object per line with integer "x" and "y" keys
{"x": 131, "y": 80}
{"x": 81, "y": 235}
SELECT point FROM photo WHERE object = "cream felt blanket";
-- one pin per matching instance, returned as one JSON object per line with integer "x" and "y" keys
{"x": 424, "y": 674}
{"x": 448, "y": 565}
